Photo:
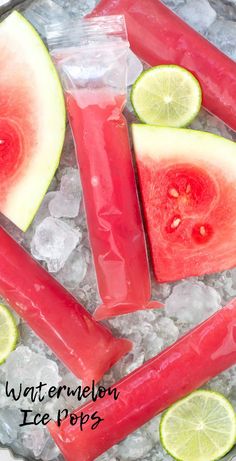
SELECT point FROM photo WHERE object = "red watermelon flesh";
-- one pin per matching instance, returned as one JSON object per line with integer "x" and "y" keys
{"x": 32, "y": 120}
{"x": 15, "y": 120}
{"x": 188, "y": 189}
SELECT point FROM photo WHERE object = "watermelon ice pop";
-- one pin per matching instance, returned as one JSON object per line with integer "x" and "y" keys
{"x": 85, "y": 347}
{"x": 158, "y": 36}
{"x": 113, "y": 214}
{"x": 194, "y": 359}
{"x": 95, "y": 96}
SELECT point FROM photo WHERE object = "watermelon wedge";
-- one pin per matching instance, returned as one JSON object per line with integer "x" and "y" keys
{"x": 188, "y": 188}
{"x": 32, "y": 120}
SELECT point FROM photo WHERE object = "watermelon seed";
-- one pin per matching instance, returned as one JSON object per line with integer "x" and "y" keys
{"x": 1, "y": 141}
{"x": 202, "y": 231}
{"x": 176, "y": 222}
{"x": 188, "y": 189}
{"x": 174, "y": 193}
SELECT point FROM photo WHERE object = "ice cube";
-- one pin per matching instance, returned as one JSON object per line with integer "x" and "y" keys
{"x": 139, "y": 321}
{"x": 27, "y": 367}
{"x": 199, "y": 14}
{"x": 34, "y": 439}
{"x": 9, "y": 425}
{"x": 135, "y": 446}
{"x": 3, "y": 397}
{"x": 160, "y": 291}
{"x": 75, "y": 268}
{"x": 53, "y": 242}
{"x": 54, "y": 405}
{"x": 110, "y": 455}
{"x": 133, "y": 360}
{"x": 30, "y": 339}
{"x": 222, "y": 383}
{"x": 216, "y": 126}
{"x": 66, "y": 202}
{"x": 42, "y": 13}
{"x": 135, "y": 68}
{"x": 167, "y": 330}
{"x": 157, "y": 454}
{"x": 224, "y": 283}
{"x": 225, "y": 8}
{"x": 151, "y": 428}
{"x": 207, "y": 122}
{"x": 232, "y": 276}
{"x": 50, "y": 451}
{"x": 223, "y": 35}
{"x": 173, "y": 4}
{"x": 192, "y": 302}
{"x": 153, "y": 345}
{"x": 77, "y": 8}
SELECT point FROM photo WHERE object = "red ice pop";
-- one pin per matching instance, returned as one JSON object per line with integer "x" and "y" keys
{"x": 93, "y": 73}
{"x": 197, "y": 357}
{"x": 113, "y": 214}
{"x": 159, "y": 36}
{"x": 87, "y": 348}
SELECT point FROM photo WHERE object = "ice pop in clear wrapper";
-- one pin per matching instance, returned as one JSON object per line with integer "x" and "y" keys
{"x": 91, "y": 56}
{"x": 159, "y": 36}
{"x": 87, "y": 348}
{"x": 200, "y": 355}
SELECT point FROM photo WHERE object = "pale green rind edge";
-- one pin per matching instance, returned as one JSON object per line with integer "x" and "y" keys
{"x": 178, "y": 130}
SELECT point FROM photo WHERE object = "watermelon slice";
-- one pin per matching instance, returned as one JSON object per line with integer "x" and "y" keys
{"x": 188, "y": 187}
{"x": 32, "y": 120}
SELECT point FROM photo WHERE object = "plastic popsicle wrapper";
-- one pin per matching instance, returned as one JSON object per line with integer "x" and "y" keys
{"x": 91, "y": 57}
{"x": 189, "y": 363}
{"x": 159, "y": 36}
{"x": 87, "y": 348}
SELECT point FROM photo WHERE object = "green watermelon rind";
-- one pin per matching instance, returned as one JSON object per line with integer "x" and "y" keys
{"x": 136, "y": 127}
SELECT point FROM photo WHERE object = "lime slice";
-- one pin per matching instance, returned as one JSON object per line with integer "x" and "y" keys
{"x": 167, "y": 96}
{"x": 8, "y": 333}
{"x": 201, "y": 427}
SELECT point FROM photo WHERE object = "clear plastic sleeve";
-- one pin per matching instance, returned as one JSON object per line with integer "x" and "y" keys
{"x": 91, "y": 56}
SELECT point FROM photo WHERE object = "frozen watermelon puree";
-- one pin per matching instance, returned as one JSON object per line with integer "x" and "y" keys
{"x": 193, "y": 360}
{"x": 112, "y": 207}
